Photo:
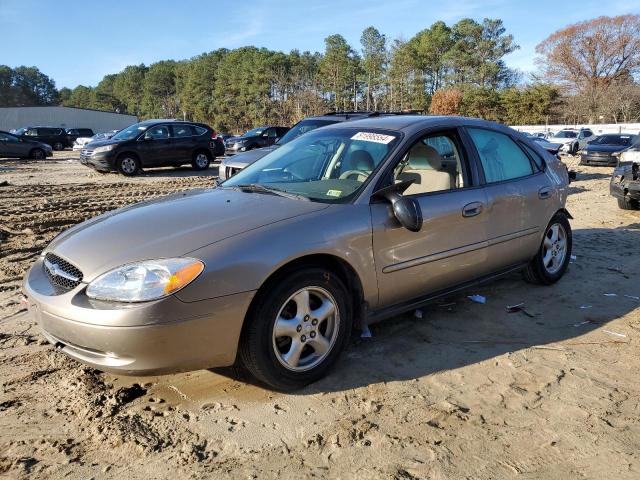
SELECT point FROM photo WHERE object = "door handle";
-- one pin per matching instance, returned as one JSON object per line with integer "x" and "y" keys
{"x": 472, "y": 209}
{"x": 544, "y": 192}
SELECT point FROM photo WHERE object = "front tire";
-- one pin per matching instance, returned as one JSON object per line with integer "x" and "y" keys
{"x": 552, "y": 259}
{"x": 628, "y": 204}
{"x": 128, "y": 165}
{"x": 297, "y": 329}
{"x": 37, "y": 154}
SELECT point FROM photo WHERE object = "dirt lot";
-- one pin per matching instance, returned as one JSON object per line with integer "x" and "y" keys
{"x": 469, "y": 391}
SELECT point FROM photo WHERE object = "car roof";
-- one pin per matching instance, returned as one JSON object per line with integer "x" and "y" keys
{"x": 411, "y": 123}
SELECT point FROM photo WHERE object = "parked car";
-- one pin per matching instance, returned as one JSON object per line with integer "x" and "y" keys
{"x": 12, "y": 146}
{"x": 548, "y": 146}
{"x": 255, "y": 138}
{"x": 81, "y": 142}
{"x": 625, "y": 181}
{"x": 231, "y": 165}
{"x": 152, "y": 143}
{"x": 603, "y": 149}
{"x": 54, "y": 136}
{"x": 75, "y": 133}
{"x": 344, "y": 226}
{"x": 572, "y": 140}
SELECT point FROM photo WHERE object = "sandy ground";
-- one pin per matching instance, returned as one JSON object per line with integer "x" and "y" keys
{"x": 468, "y": 391}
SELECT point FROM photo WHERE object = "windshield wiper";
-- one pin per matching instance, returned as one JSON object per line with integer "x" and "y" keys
{"x": 259, "y": 188}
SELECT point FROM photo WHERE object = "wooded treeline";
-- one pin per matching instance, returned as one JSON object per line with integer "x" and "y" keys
{"x": 588, "y": 71}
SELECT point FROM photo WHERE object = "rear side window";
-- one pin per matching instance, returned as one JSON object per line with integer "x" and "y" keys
{"x": 85, "y": 132}
{"x": 181, "y": 131}
{"x": 500, "y": 156}
{"x": 200, "y": 130}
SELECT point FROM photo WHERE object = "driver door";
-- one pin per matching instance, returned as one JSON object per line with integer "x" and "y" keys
{"x": 451, "y": 247}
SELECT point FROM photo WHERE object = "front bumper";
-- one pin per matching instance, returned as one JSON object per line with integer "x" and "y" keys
{"x": 622, "y": 186}
{"x": 599, "y": 160}
{"x": 234, "y": 148}
{"x": 103, "y": 161}
{"x": 162, "y": 336}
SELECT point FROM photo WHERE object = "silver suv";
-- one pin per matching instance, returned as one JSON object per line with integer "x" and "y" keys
{"x": 344, "y": 226}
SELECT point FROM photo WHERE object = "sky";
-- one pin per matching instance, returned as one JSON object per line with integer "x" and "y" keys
{"x": 78, "y": 42}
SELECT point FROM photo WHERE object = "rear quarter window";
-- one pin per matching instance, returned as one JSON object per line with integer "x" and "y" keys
{"x": 199, "y": 130}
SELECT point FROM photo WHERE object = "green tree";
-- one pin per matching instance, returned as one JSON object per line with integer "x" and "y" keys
{"x": 432, "y": 48}
{"x": 337, "y": 70}
{"x": 159, "y": 99}
{"x": 31, "y": 87}
{"x": 128, "y": 88}
{"x": 374, "y": 58}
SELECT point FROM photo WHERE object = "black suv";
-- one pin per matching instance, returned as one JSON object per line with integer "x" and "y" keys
{"x": 54, "y": 136}
{"x": 255, "y": 138}
{"x": 74, "y": 133}
{"x": 153, "y": 143}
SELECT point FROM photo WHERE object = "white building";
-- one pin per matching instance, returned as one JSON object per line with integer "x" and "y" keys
{"x": 66, "y": 117}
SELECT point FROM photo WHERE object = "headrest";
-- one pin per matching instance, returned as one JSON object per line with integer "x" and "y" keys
{"x": 423, "y": 156}
{"x": 361, "y": 160}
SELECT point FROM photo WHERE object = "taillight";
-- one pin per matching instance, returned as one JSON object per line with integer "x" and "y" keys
{"x": 214, "y": 135}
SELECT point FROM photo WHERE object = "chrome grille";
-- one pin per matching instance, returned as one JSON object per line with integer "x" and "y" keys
{"x": 231, "y": 171}
{"x": 61, "y": 273}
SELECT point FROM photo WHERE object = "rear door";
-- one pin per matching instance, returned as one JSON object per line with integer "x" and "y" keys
{"x": 451, "y": 246}
{"x": 519, "y": 196}
{"x": 182, "y": 142}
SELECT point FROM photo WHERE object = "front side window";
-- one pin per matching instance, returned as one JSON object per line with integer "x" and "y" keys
{"x": 159, "y": 132}
{"x": 500, "y": 156}
{"x": 433, "y": 164}
{"x": 8, "y": 138}
{"x": 31, "y": 132}
{"x": 326, "y": 166}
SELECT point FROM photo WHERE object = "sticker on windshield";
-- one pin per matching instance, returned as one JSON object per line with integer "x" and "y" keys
{"x": 334, "y": 193}
{"x": 373, "y": 137}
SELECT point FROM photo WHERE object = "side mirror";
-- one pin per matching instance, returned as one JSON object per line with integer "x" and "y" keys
{"x": 406, "y": 210}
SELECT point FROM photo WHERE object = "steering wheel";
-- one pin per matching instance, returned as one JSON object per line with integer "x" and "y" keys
{"x": 359, "y": 174}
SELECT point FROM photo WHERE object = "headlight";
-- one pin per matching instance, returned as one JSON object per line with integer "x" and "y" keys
{"x": 104, "y": 148}
{"x": 144, "y": 281}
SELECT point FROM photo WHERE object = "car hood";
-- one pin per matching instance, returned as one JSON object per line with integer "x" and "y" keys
{"x": 171, "y": 226}
{"x": 247, "y": 158}
{"x": 605, "y": 148}
{"x": 100, "y": 143}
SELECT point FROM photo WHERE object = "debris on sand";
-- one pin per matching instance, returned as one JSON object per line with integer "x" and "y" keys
{"x": 126, "y": 395}
{"x": 477, "y": 298}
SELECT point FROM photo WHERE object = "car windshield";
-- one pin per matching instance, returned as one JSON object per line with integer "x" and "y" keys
{"x": 303, "y": 127}
{"x": 622, "y": 140}
{"x": 254, "y": 132}
{"x": 21, "y": 131}
{"x": 130, "y": 132}
{"x": 327, "y": 165}
{"x": 566, "y": 134}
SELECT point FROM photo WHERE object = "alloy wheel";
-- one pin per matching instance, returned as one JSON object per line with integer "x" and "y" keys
{"x": 306, "y": 329}
{"x": 128, "y": 165}
{"x": 554, "y": 248}
{"x": 202, "y": 160}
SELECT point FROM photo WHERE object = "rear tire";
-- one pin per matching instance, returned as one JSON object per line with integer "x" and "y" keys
{"x": 37, "y": 154}
{"x": 58, "y": 146}
{"x": 292, "y": 338}
{"x": 201, "y": 160}
{"x": 128, "y": 165}
{"x": 553, "y": 256}
{"x": 628, "y": 204}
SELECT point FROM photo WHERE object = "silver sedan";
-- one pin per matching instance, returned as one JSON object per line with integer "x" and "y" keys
{"x": 342, "y": 227}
